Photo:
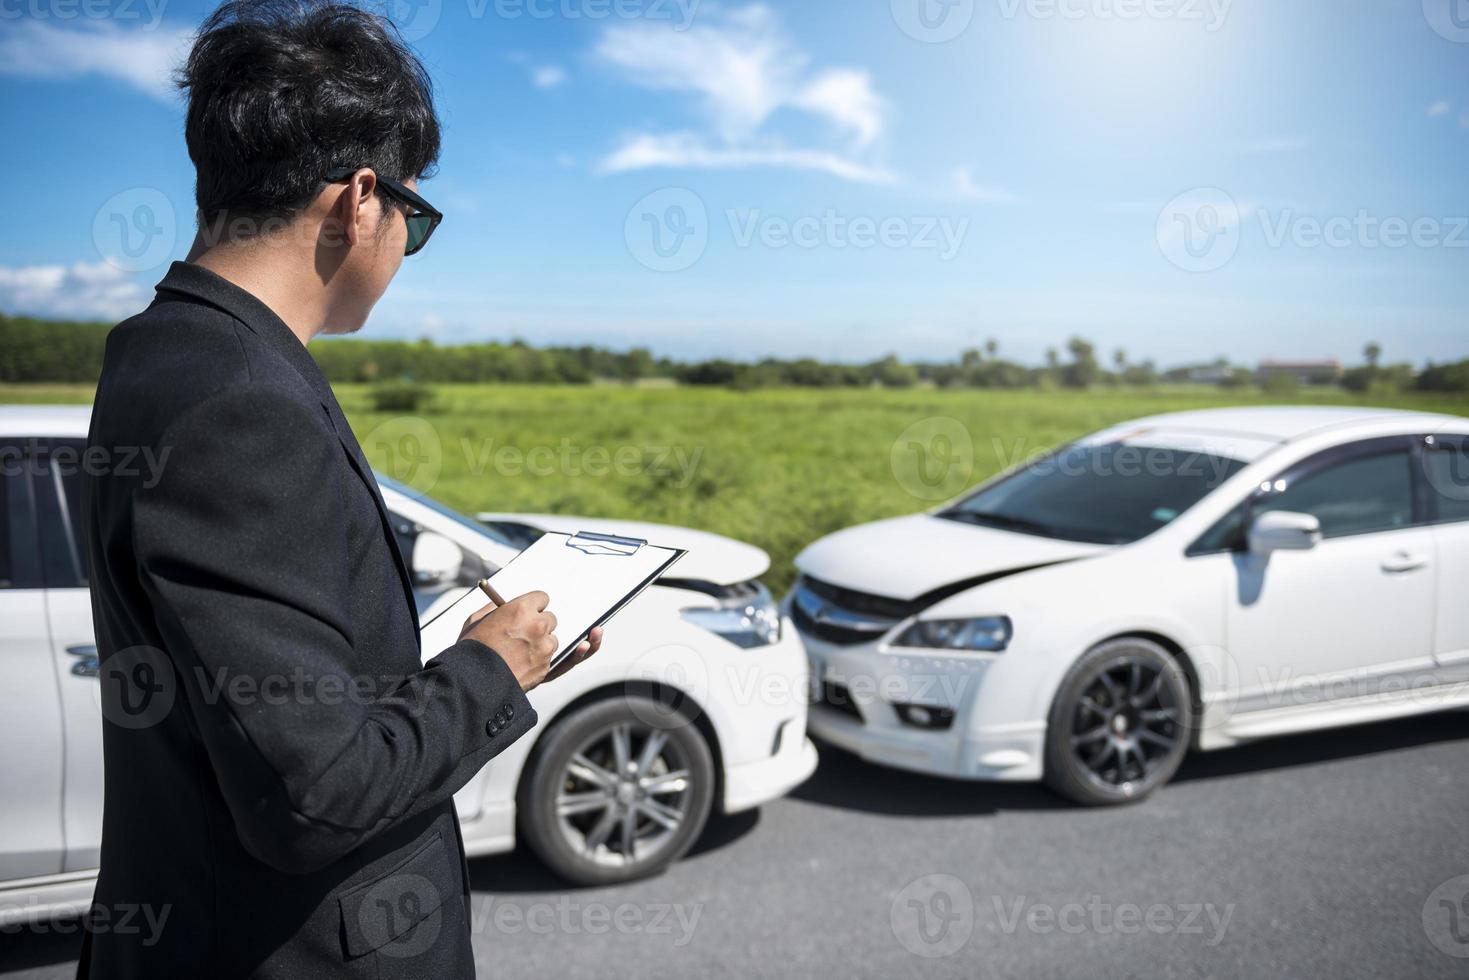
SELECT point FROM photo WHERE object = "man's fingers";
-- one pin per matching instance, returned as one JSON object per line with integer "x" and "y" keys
{"x": 536, "y": 600}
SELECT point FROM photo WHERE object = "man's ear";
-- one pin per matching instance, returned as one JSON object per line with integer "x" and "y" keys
{"x": 356, "y": 208}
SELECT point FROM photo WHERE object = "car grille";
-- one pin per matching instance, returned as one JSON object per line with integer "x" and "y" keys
{"x": 844, "y": 616}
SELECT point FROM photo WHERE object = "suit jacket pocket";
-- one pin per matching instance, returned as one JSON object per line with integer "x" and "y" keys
{"x": 395, "y": 914}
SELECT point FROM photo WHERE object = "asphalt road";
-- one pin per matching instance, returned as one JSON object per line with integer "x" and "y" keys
{"x": 1312, "y": 856}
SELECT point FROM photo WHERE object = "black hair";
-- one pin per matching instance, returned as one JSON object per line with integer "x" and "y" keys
{"x": 282, "y": 91}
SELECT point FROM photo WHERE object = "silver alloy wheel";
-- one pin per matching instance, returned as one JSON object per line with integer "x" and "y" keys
{"x": 623, "y": 794}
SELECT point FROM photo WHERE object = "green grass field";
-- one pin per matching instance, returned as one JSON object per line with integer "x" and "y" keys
{"x": 778, "y": 468}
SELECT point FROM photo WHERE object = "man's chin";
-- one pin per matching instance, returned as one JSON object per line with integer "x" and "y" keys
{"x": 340, "y": 329}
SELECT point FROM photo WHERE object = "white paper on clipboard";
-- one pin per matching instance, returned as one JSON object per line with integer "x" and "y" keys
{"x": 588, "y": 576}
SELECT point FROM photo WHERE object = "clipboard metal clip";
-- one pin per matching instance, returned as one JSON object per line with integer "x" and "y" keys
{"x": 593, "y": 543}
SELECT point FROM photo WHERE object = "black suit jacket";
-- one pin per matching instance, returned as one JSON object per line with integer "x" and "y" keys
{"x": 279, "y": 764}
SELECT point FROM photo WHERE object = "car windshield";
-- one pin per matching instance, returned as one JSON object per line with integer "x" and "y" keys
{"x": 1107, "y": 493}
{"x": 438, "y": 508}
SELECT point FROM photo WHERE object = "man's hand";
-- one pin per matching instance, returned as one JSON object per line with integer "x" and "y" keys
{"x": 523, "y": 633}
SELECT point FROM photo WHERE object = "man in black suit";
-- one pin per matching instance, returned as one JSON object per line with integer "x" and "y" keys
{"x": 280, "y": 765}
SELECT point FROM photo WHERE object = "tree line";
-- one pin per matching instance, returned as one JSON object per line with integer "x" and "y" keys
{"x": 38, "y": 350}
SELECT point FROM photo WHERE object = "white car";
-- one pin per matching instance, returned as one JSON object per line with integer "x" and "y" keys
{"x": 1189, "y": 580}
{"x": 697, "y": 700}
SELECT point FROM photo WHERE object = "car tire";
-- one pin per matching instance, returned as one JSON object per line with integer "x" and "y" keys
{"x": 1120, "y": 725}
{"x": 575, "y": 806}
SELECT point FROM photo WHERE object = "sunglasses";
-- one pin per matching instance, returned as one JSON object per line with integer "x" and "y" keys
{"x": 422, "y": 217}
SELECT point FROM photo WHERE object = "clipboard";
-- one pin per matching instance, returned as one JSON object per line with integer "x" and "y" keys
{"x": 590, "y": 577}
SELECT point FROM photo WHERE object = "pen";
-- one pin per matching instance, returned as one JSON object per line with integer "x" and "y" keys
{"x": 489, "y": 590}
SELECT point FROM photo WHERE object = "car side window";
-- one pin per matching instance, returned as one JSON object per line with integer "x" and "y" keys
{"x": 1446, "y": 465}
{"x": 19, "y": 561}
{"x": 58, "y": 487}
{"x": 8, "y": 539}
{"x": 1355, "y": 496}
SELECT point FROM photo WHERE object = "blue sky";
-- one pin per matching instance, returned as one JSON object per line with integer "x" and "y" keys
{"x": 1180, "y": 178}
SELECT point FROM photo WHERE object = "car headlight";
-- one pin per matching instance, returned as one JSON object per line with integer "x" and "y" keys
{"x": 990, "y": 634}
{"x": 747, "y": 618}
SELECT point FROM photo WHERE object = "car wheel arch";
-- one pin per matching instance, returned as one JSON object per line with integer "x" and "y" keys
{"x": 1172, "y": 647}
{"x": 657, "y": 691}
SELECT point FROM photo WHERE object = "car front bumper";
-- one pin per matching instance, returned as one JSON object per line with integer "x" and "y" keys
{"x": 868, "y": 723}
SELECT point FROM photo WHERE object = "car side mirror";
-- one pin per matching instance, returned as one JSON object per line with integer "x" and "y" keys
{"x": 436, "y": 559}
{"x": 1284, "y": 530}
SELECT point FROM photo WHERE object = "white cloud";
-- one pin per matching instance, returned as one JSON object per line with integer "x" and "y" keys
{"x": 80, "y": 291}
{"x": 548, "y": 76}
{"x": 966, "y": 189}
{"x": 743, "y": 70}
{"x": 1439, "y": 108}
{"x": 143, "y": 58}
{"x": 645, "y": 150}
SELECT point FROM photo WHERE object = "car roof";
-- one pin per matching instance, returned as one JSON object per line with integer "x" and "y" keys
{"x": 55, "y": 421}
{"x": 1287, "y": 423}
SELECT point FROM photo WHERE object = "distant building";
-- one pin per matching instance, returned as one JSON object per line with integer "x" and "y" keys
{"x": 1305, "y": 371}
{"x": 1202, "y": 374}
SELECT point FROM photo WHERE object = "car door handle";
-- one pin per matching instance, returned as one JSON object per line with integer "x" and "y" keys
{"x": 1403, "y": 561}
{"x": 87, "y": 664}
